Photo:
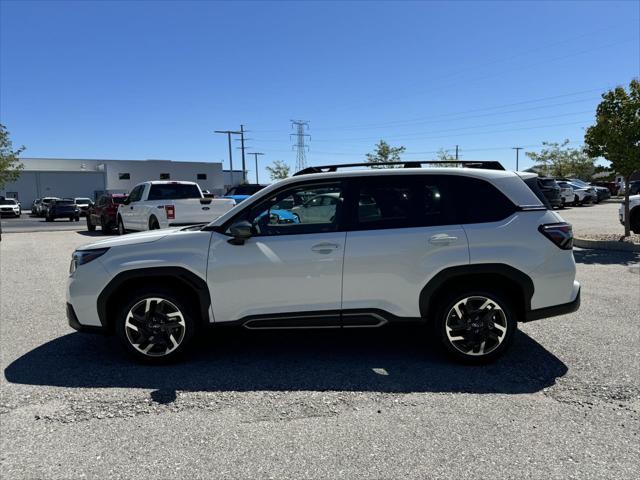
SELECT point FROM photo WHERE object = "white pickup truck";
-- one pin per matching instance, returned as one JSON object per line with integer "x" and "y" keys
{"x": 161, "y": 204}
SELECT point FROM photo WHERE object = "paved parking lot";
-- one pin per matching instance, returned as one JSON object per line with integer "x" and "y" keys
{"x": 27, "y": 223}
{"x": 564, "y": 403}
{"x": 594, "y": 219}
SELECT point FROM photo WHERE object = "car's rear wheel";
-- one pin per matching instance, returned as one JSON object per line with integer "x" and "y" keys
{"x": 155, "y": 326}
{"x": 153, "y": 224}
{"x": 105, "y": 226}
{"x": 476, "y": 326}
{"x": 90, "y": 226}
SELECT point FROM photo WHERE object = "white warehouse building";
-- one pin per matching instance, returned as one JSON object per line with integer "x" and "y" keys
{"x": 65, "y": 177}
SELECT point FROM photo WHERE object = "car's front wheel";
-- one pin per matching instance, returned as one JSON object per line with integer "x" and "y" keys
{"x": 476, "y": 326}
{"x": 90, "y": 226}
{"x": 155, "y": 326}
{"x": 121, "y": 229}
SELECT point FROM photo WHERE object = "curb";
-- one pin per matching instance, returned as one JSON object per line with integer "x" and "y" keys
{"x": 606, "y": 245}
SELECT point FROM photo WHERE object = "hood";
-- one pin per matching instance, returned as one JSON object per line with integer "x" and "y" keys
{"x": 131, "y": 239}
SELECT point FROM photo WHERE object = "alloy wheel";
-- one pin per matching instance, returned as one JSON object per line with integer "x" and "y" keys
{"x": 476, "y": 325}
{"x": 155, "y": 327}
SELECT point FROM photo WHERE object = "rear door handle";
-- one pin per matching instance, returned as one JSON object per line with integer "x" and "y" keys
{"x": 442, "y": 239}
{"x": 325, "y": 248}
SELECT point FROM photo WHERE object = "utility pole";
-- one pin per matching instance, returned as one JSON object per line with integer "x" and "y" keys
{"x": 229, "y": 133}
{"x": 300, "y": 147}
{"x": 255, "y": 155}
{"x": 244, "y": 168}
{"x": 456, "y": 152}
{"x": 517, "y": 149}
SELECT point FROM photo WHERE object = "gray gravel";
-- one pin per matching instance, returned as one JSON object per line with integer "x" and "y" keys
{"x": 564, "y": 403}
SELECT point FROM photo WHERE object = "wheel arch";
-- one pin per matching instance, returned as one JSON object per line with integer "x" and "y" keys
{"x": 173, "y": 278}
{"x": 513, "y": 282}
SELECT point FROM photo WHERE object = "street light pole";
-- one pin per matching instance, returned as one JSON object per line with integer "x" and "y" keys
{"x": 255, "y": 155}
{"x": 229, "y": 133}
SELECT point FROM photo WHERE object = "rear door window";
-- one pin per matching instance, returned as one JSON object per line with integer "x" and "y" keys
{"x": 173, "y": 191}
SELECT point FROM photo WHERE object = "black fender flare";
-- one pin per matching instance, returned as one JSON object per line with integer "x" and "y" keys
{"x": 185, "y": 277}
{"x": 463, "y": 272}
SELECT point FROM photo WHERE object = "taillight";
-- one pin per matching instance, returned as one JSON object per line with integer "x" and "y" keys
{"x": 559, "y": 233}
{"x": 171, "y": 211}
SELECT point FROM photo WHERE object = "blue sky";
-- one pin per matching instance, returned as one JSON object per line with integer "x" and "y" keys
{"x": 149, "y": 79}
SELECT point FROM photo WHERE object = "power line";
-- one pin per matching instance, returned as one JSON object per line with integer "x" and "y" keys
{"x": 301, "y": 158}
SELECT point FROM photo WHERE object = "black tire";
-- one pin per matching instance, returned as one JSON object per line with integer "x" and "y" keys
{"x": 121, "y": 229}
{"x": 634, "y": 220}
{"x": 105, "y": 226}
{"x": 90, "y": 226}
{"x": 77, "y": 219}
{"x": 71, "y": 219}
{"x": 48, "y": 219}
{"x": 143, "y": 331}
{"x": 153, "y": 223}
{"x": 445, "y": 318}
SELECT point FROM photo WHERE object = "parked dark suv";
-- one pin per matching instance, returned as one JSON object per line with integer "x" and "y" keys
{"x": 65, "y": 208}
{"x": 551, "y": 191}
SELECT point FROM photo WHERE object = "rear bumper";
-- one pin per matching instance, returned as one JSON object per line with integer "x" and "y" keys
{"x": 554, "y": 311}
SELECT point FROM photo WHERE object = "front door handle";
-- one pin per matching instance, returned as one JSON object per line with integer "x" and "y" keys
{"x": 442, "y": 239}
{"x": 325, "y": 248}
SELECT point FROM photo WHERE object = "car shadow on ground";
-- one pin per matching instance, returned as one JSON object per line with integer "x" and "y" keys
{"x": 604, "y": 257}
{"x": 398, "y": 360}
{"x": 95, "y": 233}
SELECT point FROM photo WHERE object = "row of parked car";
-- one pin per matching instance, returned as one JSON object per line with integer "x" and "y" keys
{"x": 562, "y": 192}
{"x": 52, "y": 208}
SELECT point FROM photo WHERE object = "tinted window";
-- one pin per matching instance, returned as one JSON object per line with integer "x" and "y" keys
{"x": 400, "y": 202}
{"x": 8, "y": 202}
{"x": 136, "y": 193}
{"x": 124, "y": 176}
{"x": 118, "y": 200}
{"x": 173, "y": 191}
{"x": 245, "y": 190}
{"x": 299, "y": 210}
{"x": 478, "y": 201}
{"x": 64, "y": 202}
{"x": 165, "y": 176}
{"x": 202, "y": 176}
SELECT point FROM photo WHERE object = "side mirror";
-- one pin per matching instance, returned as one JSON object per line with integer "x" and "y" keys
{"x": 241, "y": 232}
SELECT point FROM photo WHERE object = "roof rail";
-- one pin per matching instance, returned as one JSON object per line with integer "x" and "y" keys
{"x": 488, "y": 165}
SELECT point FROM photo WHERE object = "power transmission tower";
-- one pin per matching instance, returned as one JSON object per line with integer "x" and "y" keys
{"x": 517, "y": 149}
{"x": 301, "y": 148}
{"x": 229, "y": 133}
{"x": 255, "y": 155}
{"x": 457, "y": 152}
{"x": 244, "y": 168}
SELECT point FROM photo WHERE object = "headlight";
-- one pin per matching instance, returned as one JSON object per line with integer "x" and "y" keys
{"x": 80, "y": 257}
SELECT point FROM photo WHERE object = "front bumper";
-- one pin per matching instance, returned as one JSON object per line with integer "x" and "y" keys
{"x": 75, "y": 324}
{"x": 554, "y": 311}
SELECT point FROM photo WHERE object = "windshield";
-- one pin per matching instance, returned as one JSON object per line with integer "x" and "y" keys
{"x": 64, "y": 202}
{"x": 174, "y": 191}
{"x": 8, "y": 202}
{"x": 83, "y": 200}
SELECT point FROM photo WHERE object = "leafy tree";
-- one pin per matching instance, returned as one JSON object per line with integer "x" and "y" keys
{"x": 10, "y": 165}
{"x": 444, "y": 155}
{"x": 616, "y": 135}
{"x": 384, "y": 153}
{"x": 279, "y": 170}
{"x": 558, "y": 160}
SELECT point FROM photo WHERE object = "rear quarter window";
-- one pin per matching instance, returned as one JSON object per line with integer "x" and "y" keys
{"x": 478, "y": 201}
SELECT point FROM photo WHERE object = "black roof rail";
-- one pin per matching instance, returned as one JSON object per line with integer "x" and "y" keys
{"x": 486, "y": 164}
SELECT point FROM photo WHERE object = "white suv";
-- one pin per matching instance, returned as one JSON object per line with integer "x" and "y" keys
{"x": 469, "y": 251}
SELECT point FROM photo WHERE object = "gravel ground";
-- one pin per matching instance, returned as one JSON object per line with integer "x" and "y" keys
{"x": 563, "y": 403}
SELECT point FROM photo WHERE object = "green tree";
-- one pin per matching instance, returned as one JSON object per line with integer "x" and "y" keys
{"x": 384, "y": 153}
{"x": 444, "y": 155}
{"x": 10, "y": 165}
{"x": 616, "y": 135}
{"x": 557, "y": 160}
{"x": 279, "y": 170}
